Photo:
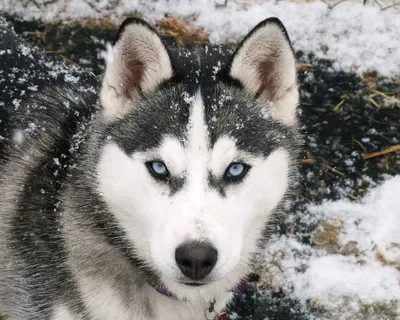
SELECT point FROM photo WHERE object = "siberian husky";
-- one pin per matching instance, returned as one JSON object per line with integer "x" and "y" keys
{"x": 154, "y": 206}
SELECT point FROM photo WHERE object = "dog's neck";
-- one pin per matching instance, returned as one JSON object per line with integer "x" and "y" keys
{"x": 211, "y": 310}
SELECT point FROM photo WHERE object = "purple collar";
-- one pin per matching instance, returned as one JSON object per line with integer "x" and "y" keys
{"x": 164, "y": 291}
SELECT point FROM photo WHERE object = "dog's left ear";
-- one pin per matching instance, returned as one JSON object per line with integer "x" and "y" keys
{"x": 136, "y": 65}
{"x": 264, "y": 64}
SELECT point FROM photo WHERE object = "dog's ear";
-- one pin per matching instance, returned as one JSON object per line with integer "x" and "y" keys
{"x": 137, "y": 64}
{"x": 264, "y": 64}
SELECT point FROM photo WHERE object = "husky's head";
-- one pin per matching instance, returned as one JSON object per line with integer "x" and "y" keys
{"x": 197, "y": 151}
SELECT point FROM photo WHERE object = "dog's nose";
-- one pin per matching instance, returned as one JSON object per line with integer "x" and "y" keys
{"x": 196, "y": 260}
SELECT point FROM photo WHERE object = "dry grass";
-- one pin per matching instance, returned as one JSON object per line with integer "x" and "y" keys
{"x": 182, "y": 31}
{"x": 382, "y": 152}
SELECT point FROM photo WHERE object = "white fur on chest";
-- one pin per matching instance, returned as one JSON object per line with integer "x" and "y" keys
{"x": 103, "y": 303}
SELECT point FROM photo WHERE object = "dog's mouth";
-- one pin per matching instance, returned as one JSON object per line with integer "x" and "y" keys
{"x": 193, "y": 284}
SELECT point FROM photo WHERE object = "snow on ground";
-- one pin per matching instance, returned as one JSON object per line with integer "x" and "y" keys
{"x": 359, "y": 38}
{"x": 353, "y": 269}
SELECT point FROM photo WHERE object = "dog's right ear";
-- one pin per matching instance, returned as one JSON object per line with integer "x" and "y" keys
{"x": 137, "y": 64}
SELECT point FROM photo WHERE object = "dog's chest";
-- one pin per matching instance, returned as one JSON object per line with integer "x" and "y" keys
{"x": 103, "y": 301}
{"x": 163, "y": 308}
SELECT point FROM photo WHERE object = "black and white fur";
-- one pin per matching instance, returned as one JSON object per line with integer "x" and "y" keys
{"x": 86, "y": 229}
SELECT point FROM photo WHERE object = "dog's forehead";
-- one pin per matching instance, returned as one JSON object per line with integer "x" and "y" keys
{"x": 192, "y": 119}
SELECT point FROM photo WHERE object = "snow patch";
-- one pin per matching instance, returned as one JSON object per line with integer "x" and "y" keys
{"x": 363, "y": 270}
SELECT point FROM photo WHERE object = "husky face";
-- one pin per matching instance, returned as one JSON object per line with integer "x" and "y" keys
{"x": 192, "y": 170}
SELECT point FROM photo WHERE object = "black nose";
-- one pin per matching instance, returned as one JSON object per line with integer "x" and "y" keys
{"x": 196, "y": 260}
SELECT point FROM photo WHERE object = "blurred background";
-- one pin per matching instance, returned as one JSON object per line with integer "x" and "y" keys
{"x": 336, "y": 252}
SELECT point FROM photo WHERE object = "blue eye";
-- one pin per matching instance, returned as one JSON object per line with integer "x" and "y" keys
{"x": 158, "y": 169}
{"x": 236, "y": 171}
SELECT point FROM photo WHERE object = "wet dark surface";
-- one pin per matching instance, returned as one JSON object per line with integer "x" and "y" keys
{"x": 340, "y": 126}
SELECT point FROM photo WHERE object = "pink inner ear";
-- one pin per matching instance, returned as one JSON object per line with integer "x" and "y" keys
{"x": 270, "y": 73}
{"x": 269, "y": 78}
{"x": 132, "y": 74}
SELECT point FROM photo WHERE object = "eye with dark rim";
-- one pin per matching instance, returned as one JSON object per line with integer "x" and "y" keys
{"x": 236, "y": 171}
{"x": 158, "y": 170}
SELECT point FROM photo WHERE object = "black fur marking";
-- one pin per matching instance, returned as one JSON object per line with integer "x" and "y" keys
{"x": 217, "y": 184}
{"x": 164, "y": 113}
{"x": 176, "y": 184}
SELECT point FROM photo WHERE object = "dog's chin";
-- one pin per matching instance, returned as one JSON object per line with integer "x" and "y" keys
{"x": 214, "y": 285}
